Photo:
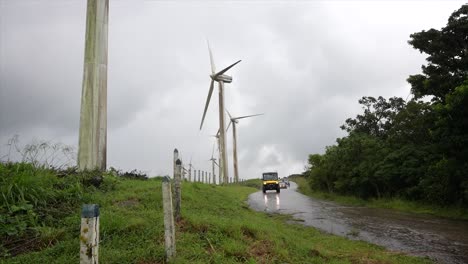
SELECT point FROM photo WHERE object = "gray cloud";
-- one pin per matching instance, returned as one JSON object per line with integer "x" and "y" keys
{"x": 305, "y": 64}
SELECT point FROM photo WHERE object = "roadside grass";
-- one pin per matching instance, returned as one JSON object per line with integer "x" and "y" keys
{"x": 389, "y": 203}
{"x": 217, "y": 226}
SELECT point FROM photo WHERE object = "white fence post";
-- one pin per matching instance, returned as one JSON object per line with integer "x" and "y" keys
{"x": 169, "y": 229}
{"x": 89, "y": 235}
{"x": 178, "y": 194}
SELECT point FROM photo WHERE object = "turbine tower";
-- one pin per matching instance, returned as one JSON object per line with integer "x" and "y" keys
{"x": 234, "y": 121}
{"x": 220, "y": 78}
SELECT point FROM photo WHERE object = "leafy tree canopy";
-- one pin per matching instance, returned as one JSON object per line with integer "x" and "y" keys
{"x": 447, "y": 66}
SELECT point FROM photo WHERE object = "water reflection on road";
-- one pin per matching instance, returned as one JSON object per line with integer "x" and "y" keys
{"x": 443, "y": 240}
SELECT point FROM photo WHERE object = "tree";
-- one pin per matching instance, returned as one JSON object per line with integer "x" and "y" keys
{"x": 378, "y": 116}
{"x": 415, "y": 150}
{"x": 447, "y": 66}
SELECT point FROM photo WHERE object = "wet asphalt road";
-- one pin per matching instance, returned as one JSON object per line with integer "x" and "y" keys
{"x": 443, "y": 240}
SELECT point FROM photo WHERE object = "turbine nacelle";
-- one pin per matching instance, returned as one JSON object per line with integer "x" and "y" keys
{"x": 221, "y": 78}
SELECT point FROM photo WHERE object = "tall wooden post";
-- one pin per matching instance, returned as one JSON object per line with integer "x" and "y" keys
{"x": 178, "y": 195}
{"x": 92, "y": 143}
{"x": 89, "y": 237}
{"x": 169, "y": 229}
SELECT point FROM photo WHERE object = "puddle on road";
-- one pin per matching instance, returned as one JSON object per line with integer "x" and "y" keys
{"x": 443, "y": 240}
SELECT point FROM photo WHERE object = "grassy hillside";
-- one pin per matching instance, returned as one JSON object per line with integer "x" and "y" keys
{"x": 217, "y": 226}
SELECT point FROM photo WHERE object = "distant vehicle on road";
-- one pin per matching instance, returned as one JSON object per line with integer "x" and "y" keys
{"x": 283, "y": 185}
{"x": 286, "y": 180}
{"x": 270, "y": 181}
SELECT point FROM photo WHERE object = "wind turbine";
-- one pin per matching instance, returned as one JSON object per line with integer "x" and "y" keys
{"x": 190, "y": 169}
{"x": 220, "y": 78}
{"x": 213, "y": 162}
{"x": 219, "y": 155}
{"x": 234, "y": 121}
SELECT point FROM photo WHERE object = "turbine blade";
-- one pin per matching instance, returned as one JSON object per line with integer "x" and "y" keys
{"x": 210, "y": 92}
{"x": 228, "y": 125}
{"x": 216, "y": 163}
{"x": 213, "y": 68}
{"x": 230, "y": 117}
{"x": 212, "y": 153}
{"x": 217, "y": 133}
{"x": 240, "y": 117}
{"x": 226, "y": 69}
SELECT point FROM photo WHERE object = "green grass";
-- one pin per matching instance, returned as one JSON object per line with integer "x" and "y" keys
{"x": 390, "y": 203}
{"x": 217, "y": 226}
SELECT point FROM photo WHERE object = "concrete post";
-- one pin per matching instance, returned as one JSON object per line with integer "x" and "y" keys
{"x": 178, "y": 198}
{"x": 92, "y": 142}
{"x": 169, "y": 229}
{"x": 176, "y": 157}
{"x": 89, "y": 237}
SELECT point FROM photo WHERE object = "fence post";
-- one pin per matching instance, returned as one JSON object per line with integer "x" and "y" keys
{"x": 89, "y": 235}
{"x": 199, "y": 176}
{"x": 176, "y": 157}
{"x": 203, "y": 177}
{"x": 177, "y": 192}
{"x": 169, "y": 229}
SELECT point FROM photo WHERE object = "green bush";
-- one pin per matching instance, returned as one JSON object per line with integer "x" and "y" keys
{"x": 33, "y": 197}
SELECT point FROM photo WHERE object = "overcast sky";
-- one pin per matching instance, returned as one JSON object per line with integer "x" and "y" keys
{"x": 304, "y": 64}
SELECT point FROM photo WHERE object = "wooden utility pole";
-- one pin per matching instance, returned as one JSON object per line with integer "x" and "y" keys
{"x": 92, "y": 143}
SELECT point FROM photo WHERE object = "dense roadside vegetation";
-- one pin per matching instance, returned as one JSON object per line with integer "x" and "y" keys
{"x": 414, "y": 150}
{"x": 43, "y": 208}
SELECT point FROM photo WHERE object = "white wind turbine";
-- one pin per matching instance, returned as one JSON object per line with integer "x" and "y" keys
{"x": 190, "y": 169}
{"x": 221, "y": 78}
{"x": 219, "y": 155}
{"x": 234, "y": 121}
{"x": 213, "y": 163}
